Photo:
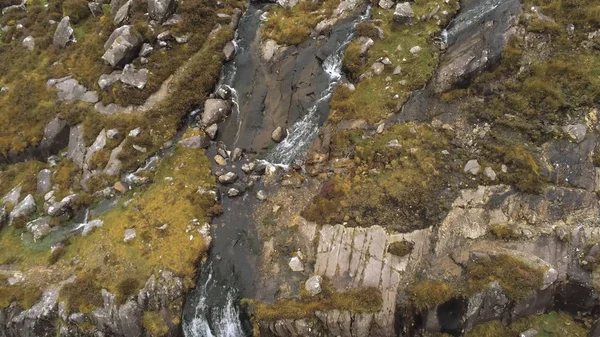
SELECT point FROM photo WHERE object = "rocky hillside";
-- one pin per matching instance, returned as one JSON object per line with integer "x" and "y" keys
{"x": 437, "y": 174}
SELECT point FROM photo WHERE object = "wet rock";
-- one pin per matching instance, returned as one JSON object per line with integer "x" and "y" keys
{"x": 377, "y": 68}
{"x": 236, "y": 154}
{"x": 404, "y": 14}
{"x": 215, "y": 110}
{"x": 160, "y": 10}
{"x": 28, "y": 42}
{"x": 261, "y": 195}
{"x": 472, "y": 167}
{"x": 313, "y": 285}
{"x": 107, "y": 80}
{"x": 269, "y": 49}
{"x": 296, "y": 264}
{"x": 233, "y": 192}
{"x": 489, "y": 172}
{"x": 120, "y": 187}
{"x": 196, "y": 142}
{"x": 248, "y": 167}
{"x": 279, "y": 134}
{"x": 229, "y": 51}
{"x": 122, "y": 15}
{"x": 121, "y": 47}
{"x": 23, "y": 209}
{"x": 63, "y": 34}
{"x": 129, "y": 234}
{"x": 13, "y": 196}
{"x": 39, "y": 228}
{"x": 228, "y": 178}
{"x": 96, "y": 9}
{"x": 211, "y": 131}
{"x": 386, "y": 4}
{"x": 577, "y": 132}
{"x": 220, "y": 160}
{"x": 133, "y": 77}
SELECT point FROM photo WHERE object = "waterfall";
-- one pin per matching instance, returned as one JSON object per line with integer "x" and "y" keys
{"x": 303, "y": 132}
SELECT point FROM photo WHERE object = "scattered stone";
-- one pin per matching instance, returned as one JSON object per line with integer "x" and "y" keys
{"x": 62, "y": 206}
{"x": 365, "y": 44}
{"x": 160, "y": 10}
{"x": 135, "y": 132}
{"x": 146, "y": 50}
{"x": 183, "y": 39}
{"x": 129, "y": 234}
{"x": 261, "y": 195}
{"x": 386, "y": 61}
{"x": 529, "y": 333}
{"x": 394, "y": 143}
{"x": 107, "y": 80}
{"x": 122, "y": 14}
{"x": 386, "y": 4}
{"x": 236, "y": 154}
{"x": 133, "y": 77}
{"x": 248, "y": 167}
{"x": 577, "y": 132}
{"x": 120, "y": 187}
{"x": 121, "y": 46}
{"x": 377, "y": 68}
{"x": 313, "y": 285}
{"x": 397, "y": 70}
{"x": 28, "y": 42}
{"x": 215, "y": 110}
{"x": 404, "y": 14}
{"x": 112, "y": 133}
{"x": 63, "y": 34}
{"x": 233, "y": 192}
{"x": 279, "y": 134}
{"x": 196, "y": 142}
{"x": 380, "y": 128}
{"x": 229, "y": 51}
{"x": 165, "y": 36}
{"x": 173, "y": 20}
{"x": 489, "y": 172}
{"x": 228, "y": 178}
{"x": 415, "y": 50}
{"x": 140, "y": 148}
{"x": 24, "y": 208}
{"x": 13, "y": 196}
{"x": 472, "y": 167}
{"x": 296, "y": 264}
{"x": 220, "y": 160}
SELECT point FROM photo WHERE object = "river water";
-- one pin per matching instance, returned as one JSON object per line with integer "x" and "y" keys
{"x": 228, "y": 275}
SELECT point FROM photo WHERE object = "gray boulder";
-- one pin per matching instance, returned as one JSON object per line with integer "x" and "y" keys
{"x": 472, "y": 167}
{"x": 211, "y": 131}
{"x": 228, "y": 178}
{"x": 386, "y": 4}
{"x": 236, "y": 154}
{"x": 76, "y": 147}
{"x": 122, "y": 15}
{"x": 62, "y": 206}
{"x": 577, "y": 132}
{"x": 107, "y": 80}
{"x": 44, "y": 181}
{"x": 279, "y": 134}
{"x": 133, "y": 77}
{"x": 146, "y": 50}
{"x": 13, "y": 196}
{"x": 160, "y": 10}
{"x": 55, "y": 137}
{"x": 229, "y": 51}
{"x": 404, "y": 13}
{"x": 24, "y": 208}
{"x": 196, "y": 142}
{"x": 63, "y": 34}
{"x": 313, "y": 285}
{"x": 28, "y": 42}
{"x": 95, "y": 9}
{"x": 39, "y": 228}
{"x": 121, "y": 47}
{"x": 296, "y": 264}
{"x": 215, "y": 110}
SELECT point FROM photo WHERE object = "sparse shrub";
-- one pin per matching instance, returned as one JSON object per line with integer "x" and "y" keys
{"x": 76, "y": 10}
{"x": 99, "y": 159}
{"x": 154, "y": 324}
{"x": 55, "y": 255}
{"x": 25, "y": 295}
{"x": 352, "y": 62}
{"x": 19, "y": 222}
{"x": 367, "y": 29}
{"x": 401, "y": 248}
{"x": 504, "y": 232}
{"x": 127, "y": 288}
{"x": 427, "y": 294}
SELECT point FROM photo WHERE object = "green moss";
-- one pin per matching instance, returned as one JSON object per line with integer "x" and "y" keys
{"x": 355, "y": 300}
{"x": 25, "y": 296}
{"x": 553, "y": 324}
{"x": 400, "y": 248}
{"x": 427, "y": 294}
{"x": 504, "y": 232}
{"x": 517, "y": 279}
{"x": 154, "y": 324}
{"x": 83, "y": 295}
{"x": 76, "y": 10}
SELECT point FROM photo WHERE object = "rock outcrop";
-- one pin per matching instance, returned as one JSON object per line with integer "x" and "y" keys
{"x": 121, "y": 47}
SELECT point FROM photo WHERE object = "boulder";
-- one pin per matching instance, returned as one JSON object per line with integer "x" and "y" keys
{"x": 261, "y": 195}
{"x": 28, "y": 42}
{"x": 472, "y": 167}
{"x": 146, "y": 50}
{"x": 133, "y": 77}
{"x": 228, "y": 178}
{"x": 107, "y": 80}
{"x": 313, "y": 285}
{"x": 365, "y": 44}
{"x": 404, "y": 14}
{"x": 215, "y": 110}
{"x": 386, "y": 4}
{"x": 63, "y": 35}
{"x": 13, "y": 196}
{"x": 577, "y": 132}
{"x": 44, "y": 181}
{"x": 279, "y": 134}
{"x": 39, "y": 228}
{"x": 25, "y": 208}
{"x": 248, "y": 167}
{"x": 195, "y": 142}
{"x": 96, "y": 9}
{"x": 490, "y": 173}
{"x": 220, "y": 160}
{"x": 211, "y": 131}
{"x": 236, "y": 154}
{"x": 122, "y": 15}
{"x": 377, "y": 68}
{"x": 76, "y": 147}
{"x": 62, "y": 206}
{"x": 229, "y": 51}
{"x": 55, "y": 136}
{"x": 121, "y": 47}
{"x": 160, "y": 10}
{"x": 296, "y": 264}
{"x": 233, "y": 192}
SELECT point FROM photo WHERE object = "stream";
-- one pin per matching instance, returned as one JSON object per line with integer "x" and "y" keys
{"x": 229, "y": 274}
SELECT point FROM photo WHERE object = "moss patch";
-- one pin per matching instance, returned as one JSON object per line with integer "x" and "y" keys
{"x": 427, "y": 294}
{"x": 553, "y": 324}
{"x": 400, "y": 248}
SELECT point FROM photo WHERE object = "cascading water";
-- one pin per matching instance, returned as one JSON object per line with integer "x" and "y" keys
{"x": 303, "y": 132}
{"x": 228, "y": 274}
